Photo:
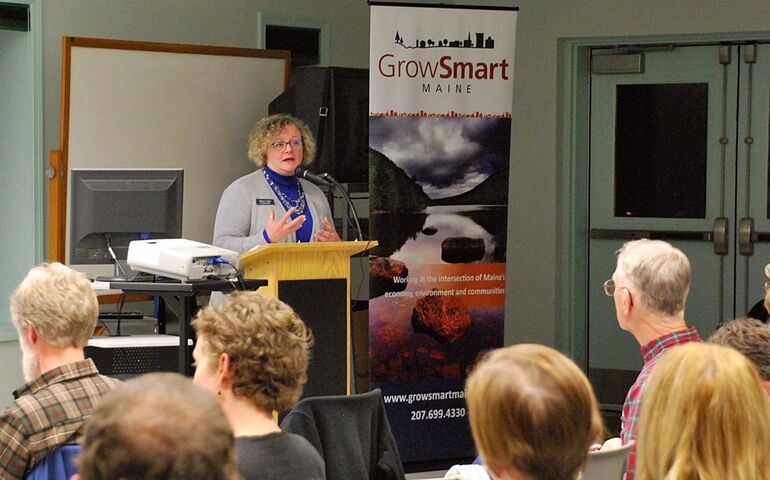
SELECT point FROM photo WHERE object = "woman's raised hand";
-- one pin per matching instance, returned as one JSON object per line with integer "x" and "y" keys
{"x": 277, "y": 230}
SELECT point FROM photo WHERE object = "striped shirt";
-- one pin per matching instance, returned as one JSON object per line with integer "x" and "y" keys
{"x": 633, "y": 404}
{"x": 48, "y": 412}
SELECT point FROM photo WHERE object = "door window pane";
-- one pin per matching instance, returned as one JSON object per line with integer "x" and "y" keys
{"x": 660, "y": 150}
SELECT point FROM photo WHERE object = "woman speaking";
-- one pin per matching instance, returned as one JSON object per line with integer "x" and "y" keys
{"x": 272, "y": 205}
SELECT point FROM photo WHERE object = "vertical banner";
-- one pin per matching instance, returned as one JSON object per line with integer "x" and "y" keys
{"x": 440, "y": 97}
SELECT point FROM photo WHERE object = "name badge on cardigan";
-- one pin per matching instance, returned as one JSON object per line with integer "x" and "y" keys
{"x": 265, "y": 201}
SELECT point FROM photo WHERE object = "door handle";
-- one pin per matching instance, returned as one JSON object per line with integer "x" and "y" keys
{"x": 720, "y": 236}
{"x": 632, "y": 234}
{"x": 745, "y": 242}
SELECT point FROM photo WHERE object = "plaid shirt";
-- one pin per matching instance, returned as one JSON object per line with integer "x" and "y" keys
{"x": 48, "y": 412}
{"x": 633, "y": 404}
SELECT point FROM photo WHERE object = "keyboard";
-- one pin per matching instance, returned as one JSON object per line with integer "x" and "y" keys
{"x": 120, "y": 315}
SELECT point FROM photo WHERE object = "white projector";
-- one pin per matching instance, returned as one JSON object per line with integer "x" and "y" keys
{"x": 181, "y": 259}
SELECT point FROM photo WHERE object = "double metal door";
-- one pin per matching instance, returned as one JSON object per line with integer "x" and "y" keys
{"x": 679, "y": 152}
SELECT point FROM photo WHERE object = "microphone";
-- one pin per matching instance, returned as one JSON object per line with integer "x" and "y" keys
{"x": 317, "y": 178}
{"x": 326, "y": 179}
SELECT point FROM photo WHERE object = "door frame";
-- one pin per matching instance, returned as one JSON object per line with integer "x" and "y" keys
{"x": 36, "y": 55}
{"x": 573, "y": 146}
{"x": 35, "y": 86}
{"x": 297, "y": 21}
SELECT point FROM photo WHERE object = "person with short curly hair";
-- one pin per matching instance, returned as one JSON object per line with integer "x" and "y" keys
{"x": 252, "y": 353}
{"x": 751, "y": 337}
{"x": 272, "y": 205}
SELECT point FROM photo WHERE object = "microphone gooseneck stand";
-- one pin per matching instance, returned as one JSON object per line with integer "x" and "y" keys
{"x": 326, "y": 179}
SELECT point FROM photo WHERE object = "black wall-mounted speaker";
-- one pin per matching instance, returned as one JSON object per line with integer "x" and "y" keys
{"x": 334, "y": 102}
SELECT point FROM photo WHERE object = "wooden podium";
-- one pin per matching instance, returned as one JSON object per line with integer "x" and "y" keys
{"x": 314, "y": 279}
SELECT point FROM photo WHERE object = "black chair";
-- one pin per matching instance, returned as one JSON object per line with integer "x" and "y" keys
{"x": 351, "y": 433}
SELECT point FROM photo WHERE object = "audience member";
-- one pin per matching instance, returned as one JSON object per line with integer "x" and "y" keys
{"x": 751, "y": 337}
{"x": 766, "y": 300}
{"x": 252, "y": 354}
{"x": 760, "y": 309}
{"x": 705, "y": 416}
{"x": 54, "y": 310}
{"x": 649, "y": 287}
{"x": 533, "y": 414}
{"x": 158, "y": 427}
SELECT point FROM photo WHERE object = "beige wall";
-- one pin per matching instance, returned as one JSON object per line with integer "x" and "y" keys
{"x": 231, "y": 23}
{"x": 533, "y": 285}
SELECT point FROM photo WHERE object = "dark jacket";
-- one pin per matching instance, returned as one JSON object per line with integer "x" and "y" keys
{"x": 351, "y": 433}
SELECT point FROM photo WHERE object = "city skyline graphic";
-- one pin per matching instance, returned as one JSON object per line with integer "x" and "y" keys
{"x": 480, "y": 42}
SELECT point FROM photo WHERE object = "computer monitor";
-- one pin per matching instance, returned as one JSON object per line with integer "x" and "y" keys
{"x": 116, "y": 206}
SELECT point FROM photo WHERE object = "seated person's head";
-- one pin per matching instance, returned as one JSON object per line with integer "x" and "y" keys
{"x": 53, "y": 306}
{"x": 704, "y": 415}
{"x": 254, "y": 348}
{"x": 533, "y": 413}
{"x": 750, "y": 337}
{"x": 658, "y": 273}
{"x": 158, "y": 427}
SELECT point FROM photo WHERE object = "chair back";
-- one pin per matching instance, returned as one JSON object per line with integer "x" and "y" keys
{"x": 351, "y": 433}
{"x": 57, "y": 465}
{"x": 467, "y": 472}
{"x": 608, "y": 464}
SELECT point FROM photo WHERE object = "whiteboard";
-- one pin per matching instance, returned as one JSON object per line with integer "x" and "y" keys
{"x": 149, "y": 105}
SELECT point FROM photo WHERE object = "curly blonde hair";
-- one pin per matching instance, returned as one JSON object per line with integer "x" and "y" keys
{"x": 532, "y": 410}
{"x": 267, "y": 343}
{"x": 266, "y": 131}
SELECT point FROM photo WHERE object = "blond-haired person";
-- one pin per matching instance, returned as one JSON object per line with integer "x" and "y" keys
{"x": 705, "y": 416}
{"x": 158, "y": 427}
{"x": 533, "y": 414}
{"x": 252, "y": 354}
{"x": 272, "y": 205}
{"x": 54, "y": 310}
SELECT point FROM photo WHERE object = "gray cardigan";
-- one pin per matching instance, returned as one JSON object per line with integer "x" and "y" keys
{"x": 245, "y": 207}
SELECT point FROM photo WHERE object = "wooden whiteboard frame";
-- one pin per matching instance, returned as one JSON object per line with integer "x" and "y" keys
{"x": 58, "y": 171}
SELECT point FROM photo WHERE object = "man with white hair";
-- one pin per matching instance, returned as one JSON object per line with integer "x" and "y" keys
{"x": 650, "y": 287}
{"x": 54, "y": 310}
